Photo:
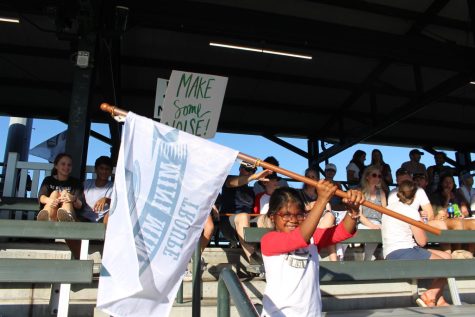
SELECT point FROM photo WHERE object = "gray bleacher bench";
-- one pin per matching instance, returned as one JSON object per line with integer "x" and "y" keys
{"x": 347, "y": 271}
{"x": 60, "y": 273}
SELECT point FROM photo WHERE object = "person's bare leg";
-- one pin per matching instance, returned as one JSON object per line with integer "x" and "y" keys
{"x": 469, "y": 224}
{"x": 332, "y": 252}
{"x": 455, "y": 224}
{"x": 207, "y": 233}
{"x": 106, "y": 218}
{"x": 75, "y": 247}
{"x": 241, "y": 221}
{"x": 440, "y": 224}
{"x": 327, "y": 221}
{"x": 68, "y": 206}
{"x": 66, "y": 211}
{"x": 264, "y": 222}
{"x": 433, "y": 295}
{"x": 51, "y": 211}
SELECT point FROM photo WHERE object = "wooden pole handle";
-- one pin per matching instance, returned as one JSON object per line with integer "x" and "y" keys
{"x": 257, "y": 162}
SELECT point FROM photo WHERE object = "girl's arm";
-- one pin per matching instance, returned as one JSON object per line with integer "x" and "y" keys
{"x": 275, "y": 242}
{"x": 353, "y": 202}
{"x": 346, "y": 228}
{"x": 325, "y": 190}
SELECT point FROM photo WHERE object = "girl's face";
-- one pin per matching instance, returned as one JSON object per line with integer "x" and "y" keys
{"x": 64, "y": 166}
{"x": 376, "y": 156}
{"x": 288, "y": 218}
{"x": 448, "y": 184}
{"x": 363, "y": 158}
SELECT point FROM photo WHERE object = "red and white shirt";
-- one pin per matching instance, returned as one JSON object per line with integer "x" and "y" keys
{"x": 292, "y": 271}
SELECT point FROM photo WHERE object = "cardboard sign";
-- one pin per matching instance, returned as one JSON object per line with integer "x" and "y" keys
{"x": 193, "y": 103}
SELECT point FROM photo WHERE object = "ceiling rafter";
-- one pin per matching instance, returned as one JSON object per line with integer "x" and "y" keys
{"x": 419, "y": 23}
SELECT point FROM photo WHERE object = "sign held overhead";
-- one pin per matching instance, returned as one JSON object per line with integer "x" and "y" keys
{"x": 193, "y": 103}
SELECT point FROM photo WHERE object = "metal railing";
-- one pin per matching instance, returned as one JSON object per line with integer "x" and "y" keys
{"x": 229, "y": 286}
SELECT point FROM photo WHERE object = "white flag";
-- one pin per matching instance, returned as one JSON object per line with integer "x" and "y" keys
{"x": 166, "y": 182}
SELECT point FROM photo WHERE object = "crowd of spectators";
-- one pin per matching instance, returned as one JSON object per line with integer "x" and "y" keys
{"x": 240, "y": 205}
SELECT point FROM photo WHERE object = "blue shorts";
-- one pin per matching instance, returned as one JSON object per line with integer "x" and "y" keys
{"x": 416, "y": 253}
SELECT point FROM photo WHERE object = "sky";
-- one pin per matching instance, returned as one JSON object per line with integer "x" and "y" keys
{"x": 256, "y": 146}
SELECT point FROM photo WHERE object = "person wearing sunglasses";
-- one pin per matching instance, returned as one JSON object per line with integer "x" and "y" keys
{"x": 371, "y": 186}
{"x": 290, "y": 252}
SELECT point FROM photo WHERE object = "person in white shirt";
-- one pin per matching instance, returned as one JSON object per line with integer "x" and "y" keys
{"x": 355, "y": 168}
{"x": 98, "y": 192}
{"x": 420, "y": 203}
{"x": 402, "y": 241}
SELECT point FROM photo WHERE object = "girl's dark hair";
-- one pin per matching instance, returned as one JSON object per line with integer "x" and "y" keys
{"x": 439, "y": 186}
{"x": 58, "y": 157}
{"x": 356, "y": 159}
{"x": 380, "y": 155}
{"x": 103, "y": 160}
{"x": 407, "y": 191}
{"x": 282, "y": 197}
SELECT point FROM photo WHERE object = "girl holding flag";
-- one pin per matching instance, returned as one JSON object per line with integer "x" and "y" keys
{"x": 290, "y": 252}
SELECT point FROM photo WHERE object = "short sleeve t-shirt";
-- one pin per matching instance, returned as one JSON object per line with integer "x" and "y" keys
{"x": 292, "y": 271}
{"x": 237, "y": 199}
{"x": 51, "y": 184}
{"x": 397, "y": 234}
{"x": 92, "y": 194}
{"x": 420, "y": 199}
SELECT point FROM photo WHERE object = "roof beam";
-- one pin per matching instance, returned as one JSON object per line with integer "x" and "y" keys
{"x": 433, "y": 9}
{"x": 401, "y": 113}
{"x": 283, "y": 31}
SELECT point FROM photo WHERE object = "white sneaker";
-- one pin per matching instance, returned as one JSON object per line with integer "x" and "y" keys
{"x": 188, "y": 277}
{"x": 204, "y": 265}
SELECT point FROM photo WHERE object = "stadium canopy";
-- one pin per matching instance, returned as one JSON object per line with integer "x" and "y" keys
{"x": 382, "y": 72}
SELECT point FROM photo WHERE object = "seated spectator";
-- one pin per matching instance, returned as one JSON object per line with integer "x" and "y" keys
{"x": 436, "y": 172}
{"x": 238, "y": 198}
{"x": 378, "y": 161}
{"x": 261, "y": 203}
{"x": 291, "y": 251}
{"x": 402, "y": 241}
{"x": 440, "y": 200}
{"x": 414, "y": 166}
{"x": 421, "y": 203}
{"x": 97, "y": 192}
{"x": 60, "y": 194}
{"x": 308, "y": 194}
{"x": 371, "y": 219}
{"x": 355, "y": 169}
{"x": 444, "y": 196}
{"x": 338, "y": 209}
{"x": 465, "y": 193}
{"x": 421, "y": 181}
{"x": 259, "y": 185}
